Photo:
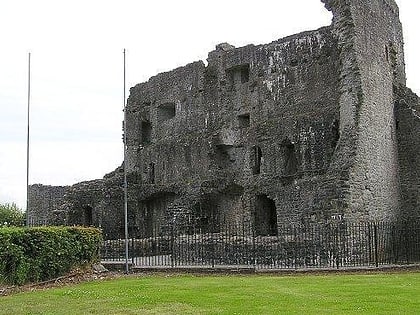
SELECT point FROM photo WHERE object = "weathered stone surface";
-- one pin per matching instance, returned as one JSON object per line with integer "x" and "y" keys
{"x": 46, "y": 205}
{"x": 313, "y": 126}
{"x": 407, "y": 108}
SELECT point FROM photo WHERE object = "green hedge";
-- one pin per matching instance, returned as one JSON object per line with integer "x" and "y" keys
{"x": 43, "y": 253}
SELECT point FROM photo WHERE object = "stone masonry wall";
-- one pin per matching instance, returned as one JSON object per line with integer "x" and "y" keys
{"x": 374, "y": 62}
{"x": 263, "y": 119}
{"x": 408, "y": 131}
{"x": 46, "y": 204}
{"x": 312, "y": 127}
{"x": 95, "y": 203}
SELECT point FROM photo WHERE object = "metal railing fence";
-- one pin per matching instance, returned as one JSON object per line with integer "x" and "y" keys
{"x": 311, "y": 246}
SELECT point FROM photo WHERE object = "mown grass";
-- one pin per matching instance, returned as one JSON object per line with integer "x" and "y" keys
{"x": 397, "y": 293}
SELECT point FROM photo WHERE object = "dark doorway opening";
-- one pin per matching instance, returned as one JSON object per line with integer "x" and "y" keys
{"x": 87, "y": 216}
{"x": 265, "y": 216}
{"x": 146, "y": 132}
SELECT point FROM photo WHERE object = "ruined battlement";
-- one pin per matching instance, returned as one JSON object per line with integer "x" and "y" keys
{"x": 385, "y": 5}
{"x": 310, "y": 127}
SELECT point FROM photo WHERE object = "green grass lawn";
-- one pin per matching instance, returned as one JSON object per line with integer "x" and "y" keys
{"x": 395, "y": 293}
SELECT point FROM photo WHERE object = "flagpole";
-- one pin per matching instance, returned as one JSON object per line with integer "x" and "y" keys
{"x": 27, "y": 141}
{"x": 125, "y": 179}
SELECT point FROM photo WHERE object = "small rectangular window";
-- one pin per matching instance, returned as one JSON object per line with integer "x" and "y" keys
{"x": 152, "y": 173}
{"x": 146, "y": 132}
{"x": 256, "y": 156}
{"x": 245, "y": 74}
{"x": 290, "y": 157}
{"x": 238, "y": 74}
{"x": 166, "y": 111}
{"x": 244, "y": 120}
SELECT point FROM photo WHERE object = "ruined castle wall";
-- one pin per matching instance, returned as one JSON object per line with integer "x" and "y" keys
{"x": 408, "y": 131}
{"x": 296, "y": 121}
{"x": 161, "y": 109}
{"x": 95, "y": 203}
{"x": 301, "y": 129}
{"x": 371, "y": 40}
{"x": 45, "y": 205}
{"x": 264, "y": 118}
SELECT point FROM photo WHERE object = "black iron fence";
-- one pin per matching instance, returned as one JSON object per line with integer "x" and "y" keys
{"x": 311, "y": 246}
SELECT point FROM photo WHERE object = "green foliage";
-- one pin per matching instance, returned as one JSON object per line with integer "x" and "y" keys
{"x": 11, "y": 215}
{"x": 42, "y": 253}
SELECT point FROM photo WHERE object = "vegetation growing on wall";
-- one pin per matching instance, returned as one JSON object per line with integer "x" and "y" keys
{"x": 38, "y": 254}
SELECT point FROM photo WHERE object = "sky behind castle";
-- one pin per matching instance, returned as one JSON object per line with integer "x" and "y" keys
{"x": 77, "y": 70}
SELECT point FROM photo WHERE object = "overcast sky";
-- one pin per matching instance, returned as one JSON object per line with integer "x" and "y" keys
{"x": 77, "y": 70}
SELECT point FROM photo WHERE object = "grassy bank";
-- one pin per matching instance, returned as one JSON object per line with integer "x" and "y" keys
{"x": 183, "y": 294}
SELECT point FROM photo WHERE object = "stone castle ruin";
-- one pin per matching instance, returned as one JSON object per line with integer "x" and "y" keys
{"x": 315, "y": 126}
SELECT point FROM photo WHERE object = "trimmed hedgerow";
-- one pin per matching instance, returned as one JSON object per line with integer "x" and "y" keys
{"x": 43, "y": 253}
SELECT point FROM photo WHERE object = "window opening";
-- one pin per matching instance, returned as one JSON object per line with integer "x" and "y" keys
{"x": 244, "y": 74}
{"x": 148, "y": 219}
{"x": 146, "y": 132}
{"x": 335, "y": 130}
{"x": 166, "y": 111}
{"x": 256, "y": 158}
{"x": 290, "y": 159}
{"x": 238, "y": 74}
{"x": 225, "y": 155}
{"x": 244, "y": 120}
{"x": 152, "y": 173}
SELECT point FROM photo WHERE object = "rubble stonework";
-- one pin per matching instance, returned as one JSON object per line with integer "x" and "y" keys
{"x": 314, "y": 126}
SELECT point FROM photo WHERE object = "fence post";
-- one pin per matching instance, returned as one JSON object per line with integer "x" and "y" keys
{"x": 254, "y": 252}
{"x": 133, "y": 251}
{"x": 336, "y": 246}
{"x": 375, "y": 238}
{"x": 407, "y": 242}
{"x": 172, "y": 247}
{"x": 394, "y": 235}
{"x": 213, "y": 251}
{"x": 369, "y": 241}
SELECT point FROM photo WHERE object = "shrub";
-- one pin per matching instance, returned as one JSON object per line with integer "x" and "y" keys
{"x": 43, "y": 253}
{"x": 11, "y": 215}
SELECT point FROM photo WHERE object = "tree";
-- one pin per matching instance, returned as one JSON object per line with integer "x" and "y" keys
{"x": 11, "y": 215}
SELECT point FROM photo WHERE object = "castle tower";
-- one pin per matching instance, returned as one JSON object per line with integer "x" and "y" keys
{"x": 372, "y": 63}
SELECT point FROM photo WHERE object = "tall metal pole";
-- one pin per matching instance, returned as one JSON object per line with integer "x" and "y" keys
{"x": 125, "y": 179}
{"x": 27, "y": 141}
